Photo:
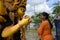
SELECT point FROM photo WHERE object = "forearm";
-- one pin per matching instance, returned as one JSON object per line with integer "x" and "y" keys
{"x": 10, "y": 30}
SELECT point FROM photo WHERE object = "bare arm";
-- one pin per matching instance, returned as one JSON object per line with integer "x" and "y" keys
{"x": 10, "y": 30}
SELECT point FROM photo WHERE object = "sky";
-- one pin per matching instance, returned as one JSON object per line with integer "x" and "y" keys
{"x": 39, "y": 6}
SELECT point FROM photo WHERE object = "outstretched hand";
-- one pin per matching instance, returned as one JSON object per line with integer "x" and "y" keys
{"x": 26, "y": 20}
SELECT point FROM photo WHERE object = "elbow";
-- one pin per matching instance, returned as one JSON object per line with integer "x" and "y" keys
{"x": 38, "y": 31}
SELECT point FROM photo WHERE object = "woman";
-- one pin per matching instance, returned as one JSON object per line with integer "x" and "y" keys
{"x": 13, "y": 16}
{"x": 44, "y": 31}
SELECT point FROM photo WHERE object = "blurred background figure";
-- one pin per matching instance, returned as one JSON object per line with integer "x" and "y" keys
{"x": 44, "y": 30}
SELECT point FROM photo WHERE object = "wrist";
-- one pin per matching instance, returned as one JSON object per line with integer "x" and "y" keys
{"x": 20, "y": 24}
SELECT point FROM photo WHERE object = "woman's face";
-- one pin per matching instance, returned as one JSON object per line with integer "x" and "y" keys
{"x": 43, "y": 17}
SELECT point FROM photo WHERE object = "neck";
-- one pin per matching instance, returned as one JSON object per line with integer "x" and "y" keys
{"x": 43, "y": 19}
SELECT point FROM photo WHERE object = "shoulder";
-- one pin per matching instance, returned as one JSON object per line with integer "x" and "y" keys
{"x": 45, "y": 22}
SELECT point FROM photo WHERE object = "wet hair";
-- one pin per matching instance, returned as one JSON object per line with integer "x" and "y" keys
{"x": 47, "y": 17}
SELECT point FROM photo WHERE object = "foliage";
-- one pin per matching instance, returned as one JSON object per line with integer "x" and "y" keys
{"x": 57, "y": 8}
{"x": 51, "y": 19}
{"x": 36, "y": 18}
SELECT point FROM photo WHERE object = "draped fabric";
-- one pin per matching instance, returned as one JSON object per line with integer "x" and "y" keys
{"x": 44, "y": 31}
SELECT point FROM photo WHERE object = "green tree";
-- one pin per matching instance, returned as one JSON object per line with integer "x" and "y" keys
{"x": 57, "y": 8}
{"x": 36, "y": 18}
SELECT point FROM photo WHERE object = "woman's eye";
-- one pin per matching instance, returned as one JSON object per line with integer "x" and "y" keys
{"x": 23, "y": 10}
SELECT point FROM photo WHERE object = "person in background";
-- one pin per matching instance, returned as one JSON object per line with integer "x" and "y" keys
{"x": 44, "y": 30}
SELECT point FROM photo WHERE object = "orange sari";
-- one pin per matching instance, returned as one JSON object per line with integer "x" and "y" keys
{"x": 45, "y": 31}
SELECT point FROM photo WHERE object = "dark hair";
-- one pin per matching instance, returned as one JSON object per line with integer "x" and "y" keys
{"x": 47, "y": 17}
